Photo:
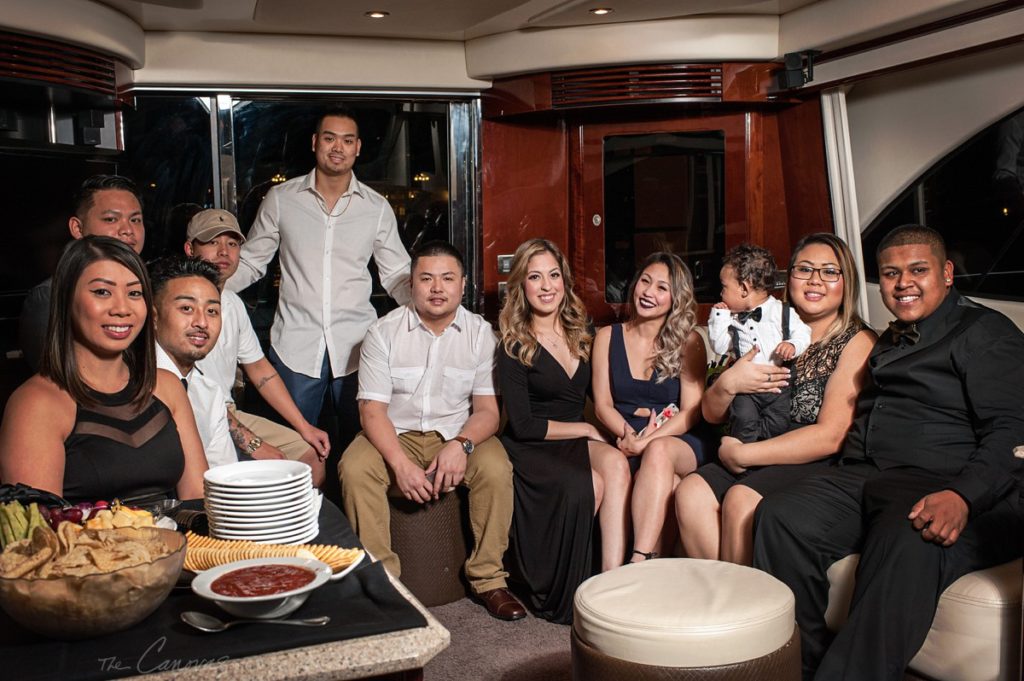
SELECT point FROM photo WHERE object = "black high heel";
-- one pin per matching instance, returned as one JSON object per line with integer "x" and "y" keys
{"x": 647, "y": 556}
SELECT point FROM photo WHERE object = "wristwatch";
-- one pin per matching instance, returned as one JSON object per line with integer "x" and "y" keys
{"x": 467, "y": 444}
{"x": 253, "y": 445}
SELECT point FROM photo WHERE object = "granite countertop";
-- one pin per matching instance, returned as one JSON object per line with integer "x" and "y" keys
{"x": 352, "y": 659}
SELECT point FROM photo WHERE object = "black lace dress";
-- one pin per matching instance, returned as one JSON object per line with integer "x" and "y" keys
{"x": 810, "y": 376}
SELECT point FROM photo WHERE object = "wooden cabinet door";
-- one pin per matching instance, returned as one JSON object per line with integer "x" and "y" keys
{"x": 671, "y": 184}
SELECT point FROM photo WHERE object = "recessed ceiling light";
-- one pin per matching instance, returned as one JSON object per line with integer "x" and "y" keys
{"x": 601, "y": 11}
{"x": 377, "y": 14}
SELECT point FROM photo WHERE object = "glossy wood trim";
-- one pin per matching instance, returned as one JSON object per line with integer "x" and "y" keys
{"x": 588, "y": 248}
{"x": 524, "y": 192}
{"x": 513, "y": 96}
{"x": 752, "y": 82}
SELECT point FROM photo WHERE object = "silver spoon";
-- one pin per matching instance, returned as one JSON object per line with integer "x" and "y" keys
{"x": 205, "y": 622}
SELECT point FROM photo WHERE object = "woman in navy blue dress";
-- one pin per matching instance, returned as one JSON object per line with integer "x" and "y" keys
{"x": 642, "y": 366}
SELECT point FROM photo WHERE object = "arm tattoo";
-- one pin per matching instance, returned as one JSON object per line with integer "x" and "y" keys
{"x": 240, "y": 435}
{"x": 263, "y": 381}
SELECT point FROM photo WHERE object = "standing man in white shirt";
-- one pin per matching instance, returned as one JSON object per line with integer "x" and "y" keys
{"x": 326, "y": 226}
{"x": 186, "y": 316}
{"x": 429, "y": 413}
{"x": 213, "y": 235}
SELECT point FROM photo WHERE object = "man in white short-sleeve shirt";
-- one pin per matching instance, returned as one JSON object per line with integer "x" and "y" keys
{"x": 186, "y": 319}
{"x": 429, "y": 412}
{"x": 213, "y": 235}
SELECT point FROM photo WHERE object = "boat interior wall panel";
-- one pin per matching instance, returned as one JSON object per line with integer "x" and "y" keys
{"x": 80, "y": 22}
{"x": 830, "y": 24}
{"x": 735, "y": 38}
{"x": 902, "y": 123}
{"x": 802, "y": 170}
{"x": 955, "y": 42}
{"x": 524, "y": 192}
{"x": 254, "y": 60}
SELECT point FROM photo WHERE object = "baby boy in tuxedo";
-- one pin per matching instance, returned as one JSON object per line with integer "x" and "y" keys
{"x": 748, "y": 316}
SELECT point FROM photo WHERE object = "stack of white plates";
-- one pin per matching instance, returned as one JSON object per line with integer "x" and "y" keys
{"x": 271, "y": 501}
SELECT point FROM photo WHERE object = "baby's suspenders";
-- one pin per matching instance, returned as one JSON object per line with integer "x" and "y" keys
{"x": 735, "y": 334}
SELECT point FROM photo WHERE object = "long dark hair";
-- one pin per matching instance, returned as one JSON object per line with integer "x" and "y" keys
{"x": 58, "y": 362}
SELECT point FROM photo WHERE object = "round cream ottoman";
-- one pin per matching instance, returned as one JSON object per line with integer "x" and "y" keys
{"x": 681, "y": 618}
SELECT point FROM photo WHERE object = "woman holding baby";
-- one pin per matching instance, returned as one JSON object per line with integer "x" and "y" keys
{"x": 715, "y": 506}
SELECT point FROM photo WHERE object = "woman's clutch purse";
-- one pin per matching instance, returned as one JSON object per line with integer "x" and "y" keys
{"x": 665, "y": 414}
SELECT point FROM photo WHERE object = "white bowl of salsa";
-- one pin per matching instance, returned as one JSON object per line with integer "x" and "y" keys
{"x": 263, "y": 588}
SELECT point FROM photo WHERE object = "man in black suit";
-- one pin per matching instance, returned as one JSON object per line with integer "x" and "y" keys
{"x": 927, "y": 485}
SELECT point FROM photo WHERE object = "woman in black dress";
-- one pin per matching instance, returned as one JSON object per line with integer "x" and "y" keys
{"x": 99, "y": 420}
{"x": 563, "y": 468}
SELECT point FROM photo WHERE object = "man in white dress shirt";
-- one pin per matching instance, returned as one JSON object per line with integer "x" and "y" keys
{"x": 429, "y": 413}
{"x": 326, "y": 226}
{"x": 213, "y": 235}
{"x": 187, "y": 320}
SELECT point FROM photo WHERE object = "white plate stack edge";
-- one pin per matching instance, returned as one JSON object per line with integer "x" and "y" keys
{"x": 269, "y": 501}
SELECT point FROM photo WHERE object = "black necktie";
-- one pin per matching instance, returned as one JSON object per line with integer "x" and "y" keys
{"x": 904, "y": 333}
{"x": 754, "y": 314}
{"x": 184, "y": 382}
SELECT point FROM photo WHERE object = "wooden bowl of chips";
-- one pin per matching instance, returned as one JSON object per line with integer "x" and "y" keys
{"x": 78, "y": 583}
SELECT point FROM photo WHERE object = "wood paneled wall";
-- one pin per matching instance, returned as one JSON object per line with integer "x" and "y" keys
{"x": 536, "y": 166}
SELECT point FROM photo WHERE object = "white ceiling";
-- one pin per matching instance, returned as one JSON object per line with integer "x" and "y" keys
{"x": 435, "y": 20}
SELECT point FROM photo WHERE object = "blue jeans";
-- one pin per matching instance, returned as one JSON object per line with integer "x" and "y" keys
{"x": 308, "y": 392}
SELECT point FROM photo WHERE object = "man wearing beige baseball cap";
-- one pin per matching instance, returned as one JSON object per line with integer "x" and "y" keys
{"x": 214, "y": 235}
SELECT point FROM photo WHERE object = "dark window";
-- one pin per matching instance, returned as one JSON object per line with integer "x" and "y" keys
{"x": 167, "y": 153}
{"x": 974, "y": 198}
{"x": 664, "y": 192}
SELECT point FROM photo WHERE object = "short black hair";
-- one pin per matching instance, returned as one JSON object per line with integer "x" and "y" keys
{"x": 913, "y": 235}
{"x": 435, "y": 248}
{"x": 752, "y": 264}
{"x": 86, "y": 194}
{"x": 178, "y": 267}
{"x": 339, "y": 112}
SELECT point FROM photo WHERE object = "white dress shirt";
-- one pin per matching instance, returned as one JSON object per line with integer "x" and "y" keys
{"x": 765, "y": 334}
{"x": 324, "y": 299}
{"x": 237, "y": 344}
{"x": 210, "y": 409}
{"x": 427, "y": 381}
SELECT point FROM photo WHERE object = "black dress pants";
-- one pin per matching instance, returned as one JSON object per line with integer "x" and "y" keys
{"x": 759, "y": 416}
{"x": 802, "y": 530}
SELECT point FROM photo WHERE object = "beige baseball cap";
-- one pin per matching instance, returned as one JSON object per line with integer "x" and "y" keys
{"x": 207, "y": 225}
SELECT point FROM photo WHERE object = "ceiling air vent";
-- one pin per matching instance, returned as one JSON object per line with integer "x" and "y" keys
{"x": 637, "y": 84}
{"x": 31, "y": 59}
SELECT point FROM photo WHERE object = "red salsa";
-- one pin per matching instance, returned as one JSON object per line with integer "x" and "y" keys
{"x": 262, "y": 580}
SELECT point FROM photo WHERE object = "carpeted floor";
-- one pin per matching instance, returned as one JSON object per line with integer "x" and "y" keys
{"x": 487, "y": 649}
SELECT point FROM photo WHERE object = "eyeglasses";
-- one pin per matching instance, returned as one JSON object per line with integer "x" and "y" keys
{"x": 827, "y": 274}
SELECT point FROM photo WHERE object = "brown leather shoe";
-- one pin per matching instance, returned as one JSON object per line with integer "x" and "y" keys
{"x": 502, "y": 604}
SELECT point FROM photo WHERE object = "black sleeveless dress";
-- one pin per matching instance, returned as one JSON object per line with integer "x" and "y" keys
{"x": 118, "y": 451}
{"x": 551, "y": 548}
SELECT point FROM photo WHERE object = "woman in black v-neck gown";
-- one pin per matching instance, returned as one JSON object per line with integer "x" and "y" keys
{"x": 558, "y": 460}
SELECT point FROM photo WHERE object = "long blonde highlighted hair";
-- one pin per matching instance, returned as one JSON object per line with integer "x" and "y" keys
{"x": 682, "y": 317}
{"x": 515, "y": 322}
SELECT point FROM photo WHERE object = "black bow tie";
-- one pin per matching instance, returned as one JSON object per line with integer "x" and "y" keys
{"x": 903, "y": 332}
{"x": 754, "y": 314}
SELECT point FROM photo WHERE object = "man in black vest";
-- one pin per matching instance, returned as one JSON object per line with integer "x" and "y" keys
{"x": 927, "y": 485}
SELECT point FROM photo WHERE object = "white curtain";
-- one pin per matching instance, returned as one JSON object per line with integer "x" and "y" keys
{"x": 841, "y": 181}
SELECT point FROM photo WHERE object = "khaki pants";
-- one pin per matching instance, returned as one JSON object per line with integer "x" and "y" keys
{"x": 365, "y": 479}
{"x": 287, "y": 440}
